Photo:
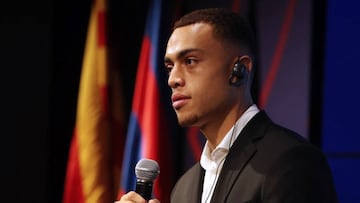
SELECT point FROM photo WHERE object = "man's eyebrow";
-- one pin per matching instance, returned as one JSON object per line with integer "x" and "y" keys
{"x": 181, "y": 54}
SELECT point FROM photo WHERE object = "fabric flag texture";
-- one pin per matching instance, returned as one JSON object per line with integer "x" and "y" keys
{"x": 93, "y": 170}
{"x": 151, "y": 123}
{"x": 192, "y": 149}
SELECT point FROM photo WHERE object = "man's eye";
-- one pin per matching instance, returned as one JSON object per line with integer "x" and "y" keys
{"x": 190, "y": 61}
{"x": 168, "y": 69}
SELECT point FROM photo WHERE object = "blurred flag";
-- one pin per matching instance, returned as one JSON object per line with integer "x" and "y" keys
{"x": 192, "y": 149}
{"x": 94, "y": 164}
{"x": 152, "y": 125}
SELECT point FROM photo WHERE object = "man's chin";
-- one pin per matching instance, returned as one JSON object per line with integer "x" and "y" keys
{"x": 188, "y": 121}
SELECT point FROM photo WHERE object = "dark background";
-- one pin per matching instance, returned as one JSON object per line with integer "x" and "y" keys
{"x": 42, "y": 43}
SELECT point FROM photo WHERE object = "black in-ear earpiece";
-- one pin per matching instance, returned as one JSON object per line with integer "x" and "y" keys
{"x": 238, "y": 74}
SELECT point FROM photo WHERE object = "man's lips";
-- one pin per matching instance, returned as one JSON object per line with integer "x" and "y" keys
{"x": 179, "y": 100}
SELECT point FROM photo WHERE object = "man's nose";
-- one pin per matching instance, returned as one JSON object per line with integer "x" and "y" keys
{"x": 176, "y": 78}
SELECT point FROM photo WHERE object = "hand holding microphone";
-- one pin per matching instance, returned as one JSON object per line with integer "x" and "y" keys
{"x": 146, "y": 171}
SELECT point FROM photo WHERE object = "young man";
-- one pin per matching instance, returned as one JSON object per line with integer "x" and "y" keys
{"x": 247, "y": 157}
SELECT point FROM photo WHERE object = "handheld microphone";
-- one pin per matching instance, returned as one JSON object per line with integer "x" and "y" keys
{"x": 146, "y": 171}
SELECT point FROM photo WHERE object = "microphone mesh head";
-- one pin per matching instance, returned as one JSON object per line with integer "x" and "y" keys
{"x": 147, "y": 169}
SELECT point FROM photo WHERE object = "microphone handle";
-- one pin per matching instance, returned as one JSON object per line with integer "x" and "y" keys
{"x": 144, "y": 188}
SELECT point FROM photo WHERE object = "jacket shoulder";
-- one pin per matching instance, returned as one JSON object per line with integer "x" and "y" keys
{"x": 189, "y": 186}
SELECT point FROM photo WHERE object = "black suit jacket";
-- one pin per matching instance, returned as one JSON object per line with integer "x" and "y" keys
{"x": 267, "y": 163}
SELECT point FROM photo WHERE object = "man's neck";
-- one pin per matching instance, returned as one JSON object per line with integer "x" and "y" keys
{"x": 215, "y": 132}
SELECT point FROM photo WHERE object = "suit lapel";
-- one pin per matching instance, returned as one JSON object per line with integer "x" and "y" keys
{"x": 239, "y": 155}
{"x": 233, "y": 165}
{"x": 197, "y": 186}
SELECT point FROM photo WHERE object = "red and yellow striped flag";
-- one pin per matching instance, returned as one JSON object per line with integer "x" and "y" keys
{"x": 94, "y": 164}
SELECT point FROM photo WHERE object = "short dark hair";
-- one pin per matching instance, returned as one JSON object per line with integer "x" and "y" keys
{"x": 227, "y": 26}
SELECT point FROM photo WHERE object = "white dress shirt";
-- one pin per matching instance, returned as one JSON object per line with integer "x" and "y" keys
{"x": 213, "y": 161}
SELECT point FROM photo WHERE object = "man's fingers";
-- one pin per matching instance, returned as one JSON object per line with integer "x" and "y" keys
{"x": 154, "y": 201}
{"x": 132, "y": 197}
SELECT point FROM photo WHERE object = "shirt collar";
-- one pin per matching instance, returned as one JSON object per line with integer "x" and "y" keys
{"x": 222, "y": 149}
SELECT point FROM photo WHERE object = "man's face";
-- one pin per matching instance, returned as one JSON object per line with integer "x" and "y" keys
{"x": 199, "y": 68}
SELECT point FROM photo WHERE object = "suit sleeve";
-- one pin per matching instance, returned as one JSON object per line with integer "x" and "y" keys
{"x": 300, "y": 175}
